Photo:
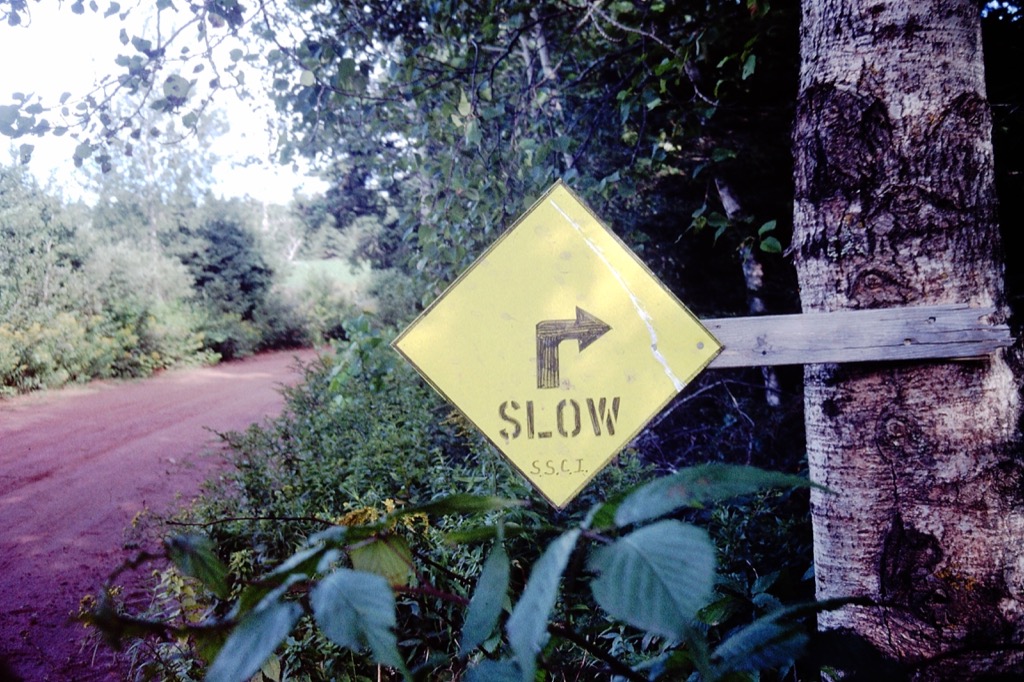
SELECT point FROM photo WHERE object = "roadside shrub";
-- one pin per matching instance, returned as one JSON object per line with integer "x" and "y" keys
{"x": 170, "y": 336}
{"x": 281, "y": 325}
{"x": 228, "y": 335}
{"x": 396, "y": 297}
{"x": 384, "y": 478}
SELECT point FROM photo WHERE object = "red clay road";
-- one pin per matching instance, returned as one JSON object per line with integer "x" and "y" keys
{"x": 77, "y": 465}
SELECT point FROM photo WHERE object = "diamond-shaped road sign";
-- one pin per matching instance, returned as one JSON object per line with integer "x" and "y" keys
{"x": 558, "y": 344}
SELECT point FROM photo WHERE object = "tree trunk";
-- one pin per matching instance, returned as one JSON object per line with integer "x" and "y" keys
{"x": 895, "y": 206}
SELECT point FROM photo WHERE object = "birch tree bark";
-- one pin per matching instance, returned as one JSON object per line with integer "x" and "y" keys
{"x": 895, "y": 206}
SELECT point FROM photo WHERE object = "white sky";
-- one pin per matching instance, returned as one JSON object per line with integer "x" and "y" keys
{"x": 59, "y": 51}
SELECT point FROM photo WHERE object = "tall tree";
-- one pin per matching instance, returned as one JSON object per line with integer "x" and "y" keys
{"x": 895, "y": 205}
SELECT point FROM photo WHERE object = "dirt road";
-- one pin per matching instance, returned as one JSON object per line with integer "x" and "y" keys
{"x": 77, "y": 465}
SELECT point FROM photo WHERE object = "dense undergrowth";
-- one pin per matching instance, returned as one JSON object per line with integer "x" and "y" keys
{"x": 369, "y": 473}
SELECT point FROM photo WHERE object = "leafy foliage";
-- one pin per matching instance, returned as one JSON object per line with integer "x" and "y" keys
{"x": 423, "y": 554}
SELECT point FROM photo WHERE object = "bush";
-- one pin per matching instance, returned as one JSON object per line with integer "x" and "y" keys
{"x": 281, "y": 325}
{"x": 370, "y": 463}
{"x": 228, "y": 335}
{"x": 396, "y": 297}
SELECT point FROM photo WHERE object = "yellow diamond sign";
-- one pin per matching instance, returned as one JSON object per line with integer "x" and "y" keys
{"x": 558, "y": 344}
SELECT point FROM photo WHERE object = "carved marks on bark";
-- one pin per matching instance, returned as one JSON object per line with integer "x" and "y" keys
{"x": 867, "y": 196}
{"x": 942, "y": 595}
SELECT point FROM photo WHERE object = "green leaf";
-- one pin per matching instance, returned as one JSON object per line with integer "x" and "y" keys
{"x": 694, "y": 487}
{"x": 356, "y": 610}
{"x": 719, "y": 154}
{"x": 768, "y": 642}
{"x": 176, "y": 87}
{"x": 471, "y": 534}
{"x": 252, "y": 642}
{"x": 766, "y": 228}
{"x": 460, "y": 504}
{"x": 527, "y": 627}
{"x": 194, "y": 556}
{"x": 9, "y": 114}
{"x": 388, "y": 557}
{"x": 494, "y": 671}
{"x": 307, "y": 78}
{"x": 749, "y": 66}
{"x": 656, "y": 578}
{"x": 465, "y": 108}
{"x": 771, "y": 245}
{"x": 487, "y": 601}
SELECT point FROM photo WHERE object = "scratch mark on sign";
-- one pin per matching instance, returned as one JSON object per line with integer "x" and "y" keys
{"x": 640, "y": 310}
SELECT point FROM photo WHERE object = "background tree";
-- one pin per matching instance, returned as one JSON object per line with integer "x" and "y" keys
{"x": 231, "y": 279}
{"x": 895, "y": 205}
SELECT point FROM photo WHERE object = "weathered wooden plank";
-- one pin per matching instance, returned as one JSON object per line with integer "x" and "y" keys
{"x": 916, "y": 333}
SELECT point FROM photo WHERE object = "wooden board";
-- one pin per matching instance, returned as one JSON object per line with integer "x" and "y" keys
{"x": 917, "y": 333}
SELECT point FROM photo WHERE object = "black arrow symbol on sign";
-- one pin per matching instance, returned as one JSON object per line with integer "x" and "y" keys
{"x": 585, "y": 328}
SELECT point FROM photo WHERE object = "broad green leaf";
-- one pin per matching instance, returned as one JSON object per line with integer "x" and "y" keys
{"x": 697, "y": 486}
{"x": 357, "y": 610}
{"x": 253, "y": 640}
{"x": 766, "y": 228}
{"x": 460, "y": 504}
{"x": 194, "y": 556}
{"x": 527, "y": 627}
{"x": 8, "y": 114}
{"x": 307, "y": 78}
{"x": 487, "y": 601}
{"x": 768, "y": 642}
{"x": 271, "y": 669}
{"x": 306, "y": 562}
{"x": 472, "y": 534}
{"x": 494, "y": 671}
{"x": 388, "y": 557}
{"x": 656, "y": 578}
{"x": 771, "y": 245}
{"x": 465, "y": 108}
{"x": 176, "y": 87}
{"x": 749, "y": 66}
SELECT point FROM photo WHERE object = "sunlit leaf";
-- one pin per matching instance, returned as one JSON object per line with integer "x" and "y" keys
{"x": 465, "y": 108}
{"x": 389, "y": 557}
{"x": 656, "y": 578}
